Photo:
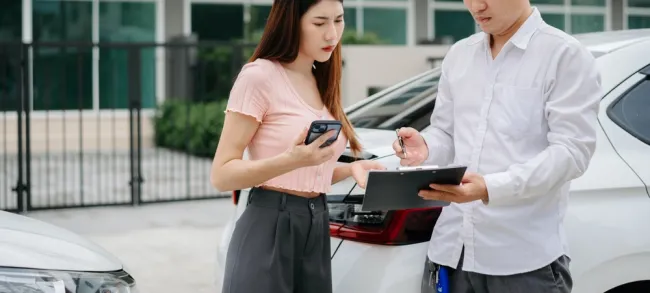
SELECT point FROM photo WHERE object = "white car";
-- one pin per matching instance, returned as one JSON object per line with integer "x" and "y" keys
{"x": 37, "y": 257}
{"x": 608, "y": 219}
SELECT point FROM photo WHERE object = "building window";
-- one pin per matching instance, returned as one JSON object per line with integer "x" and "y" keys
{"x": 455, "y": 25}
{"x": 218, "y": 22}
{"x": 259, "y": 15}
{"x": 10, "y": 31}
{"x": 126, "y": 22}
{"x": 638, "y": 3}
{"x": 636, "y": 22}
{"x": 588, "y": 2}
{"x": 11, "y": 20}
{"x": 638, "y": 14}
{"x": 350, "y": 16}
{"x": 389, "y": 24}
{"x": 587, "y": 23}
{"x": 554, "y": 20}
{"x": 547, "y": 2}
{"x": 62, "y": 74}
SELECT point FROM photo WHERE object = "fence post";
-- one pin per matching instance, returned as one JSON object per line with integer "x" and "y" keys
{"x": 135, "y": 127}
{"x": 23, "y": 183}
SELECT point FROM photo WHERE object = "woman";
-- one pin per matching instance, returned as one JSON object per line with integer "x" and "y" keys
{"x": 281, "y": 242}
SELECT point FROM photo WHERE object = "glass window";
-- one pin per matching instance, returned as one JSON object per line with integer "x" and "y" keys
{"x": 410, "y": 106}
{"x": 10, "y": 30}
{"x": 587, "y": 23}
{"x": 350, "y": 16}
{"x": 638, "y": 3}
{"x": 588, "y": 2}
{"x": 210, "y": 20}
{"x": 389, "y": 24}
{"x": 62, "y": 75}
{"x": 634, "y": 22}
{"x": 556, "y": 2}
{"x": 10, "y": 77}
{"x": 11, "y": 20}
{"x": 126, "y": 22}
{"x": 630, "y": 112}
{"x": 555, "y": 20}
{"x": 454, "y": 24}
{"x": 259, "y": 16}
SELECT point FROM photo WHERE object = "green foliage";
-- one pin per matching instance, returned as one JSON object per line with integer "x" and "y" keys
{"x": 350, "y": 37}
{"x": 216, "y": 74}
{"x": 190, "y": 127}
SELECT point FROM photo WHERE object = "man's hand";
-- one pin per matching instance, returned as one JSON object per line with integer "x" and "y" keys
{"x": 471, "y": 188}
{"x": 416, "y": 149}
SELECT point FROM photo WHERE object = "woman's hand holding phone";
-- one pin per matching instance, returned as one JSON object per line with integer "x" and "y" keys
{"x": 312, "y": 154}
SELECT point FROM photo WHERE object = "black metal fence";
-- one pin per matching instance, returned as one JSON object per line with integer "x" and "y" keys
{"x": 78, "y": 121}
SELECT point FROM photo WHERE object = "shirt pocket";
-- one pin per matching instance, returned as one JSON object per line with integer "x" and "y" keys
{"x": 517, "y": 111}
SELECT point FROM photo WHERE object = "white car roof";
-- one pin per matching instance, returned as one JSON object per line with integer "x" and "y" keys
{"x": 601, "y": 43}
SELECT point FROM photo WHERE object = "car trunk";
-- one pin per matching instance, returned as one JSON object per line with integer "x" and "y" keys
{"x": 348, "y": 222}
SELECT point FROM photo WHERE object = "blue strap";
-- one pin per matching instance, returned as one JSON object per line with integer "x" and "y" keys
{"x": 442, "y": 281}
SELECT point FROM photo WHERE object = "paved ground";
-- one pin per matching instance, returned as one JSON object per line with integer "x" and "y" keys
{"x": 169, "y": 247}
{"x": 93, "y": 178}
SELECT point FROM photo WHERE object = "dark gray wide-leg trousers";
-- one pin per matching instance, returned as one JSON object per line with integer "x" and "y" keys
{"x": 280, "y": 244}
{"x": 552, "y": 278}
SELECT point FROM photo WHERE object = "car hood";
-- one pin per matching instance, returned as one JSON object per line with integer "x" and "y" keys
{"x": 376, "y": 142}
{"x": 29, "y": 243}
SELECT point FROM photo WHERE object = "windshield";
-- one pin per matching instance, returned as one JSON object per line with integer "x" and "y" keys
{"x": 408, "y": 106}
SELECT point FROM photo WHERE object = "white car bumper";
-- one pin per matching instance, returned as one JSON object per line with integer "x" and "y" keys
{"x": 366, "y": 268}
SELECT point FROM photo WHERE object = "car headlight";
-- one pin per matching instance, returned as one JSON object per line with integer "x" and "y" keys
{"x": 48, "y": 281}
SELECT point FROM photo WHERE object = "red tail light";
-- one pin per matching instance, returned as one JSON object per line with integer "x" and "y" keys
{"x": 235, "y": 196}
{"x": 386, "y": 228}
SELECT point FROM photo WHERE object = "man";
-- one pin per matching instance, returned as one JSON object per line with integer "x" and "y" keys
{"x": 517, "y": 104}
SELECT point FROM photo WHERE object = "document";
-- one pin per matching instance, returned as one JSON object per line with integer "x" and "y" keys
{"x": 398, "y": 189}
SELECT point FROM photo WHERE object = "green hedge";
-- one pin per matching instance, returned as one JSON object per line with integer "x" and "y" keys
{"x": 189, "y": 127}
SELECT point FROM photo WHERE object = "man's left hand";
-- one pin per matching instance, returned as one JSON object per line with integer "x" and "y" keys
{"x": 471, "y": 188}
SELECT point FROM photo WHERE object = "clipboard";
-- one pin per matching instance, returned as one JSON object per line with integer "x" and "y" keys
{"x": 398, "y": 189}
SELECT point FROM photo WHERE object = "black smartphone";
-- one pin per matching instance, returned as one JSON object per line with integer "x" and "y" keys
{"x": 320, "y": 127}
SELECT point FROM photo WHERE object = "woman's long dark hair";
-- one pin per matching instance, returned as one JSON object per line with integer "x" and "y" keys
{"x": 281, "y": 41}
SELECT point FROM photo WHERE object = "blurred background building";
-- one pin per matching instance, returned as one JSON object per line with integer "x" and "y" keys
{"x": 121, "y": 101}
{"x": 386, "y": 22}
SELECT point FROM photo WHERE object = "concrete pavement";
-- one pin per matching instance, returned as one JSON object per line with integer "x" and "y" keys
{"x": 168, "y": 247}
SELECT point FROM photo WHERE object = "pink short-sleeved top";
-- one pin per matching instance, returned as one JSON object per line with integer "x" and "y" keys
{"x": 263, "y": 90}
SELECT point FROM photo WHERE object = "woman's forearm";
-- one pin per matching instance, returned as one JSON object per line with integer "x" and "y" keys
{"x": 240, "y": 174}
{"x": 341, "y": 172}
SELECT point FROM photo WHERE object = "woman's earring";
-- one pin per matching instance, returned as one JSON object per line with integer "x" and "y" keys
{"x": 313, "y": 66}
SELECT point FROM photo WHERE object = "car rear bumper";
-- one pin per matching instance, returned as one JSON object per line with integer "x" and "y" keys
{"x": 366, "y": 268}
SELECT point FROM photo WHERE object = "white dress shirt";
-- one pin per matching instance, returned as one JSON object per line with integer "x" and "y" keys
{"x": 526, "y": 121}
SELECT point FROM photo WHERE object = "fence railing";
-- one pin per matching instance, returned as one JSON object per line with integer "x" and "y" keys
{"x": 81, "y": 124}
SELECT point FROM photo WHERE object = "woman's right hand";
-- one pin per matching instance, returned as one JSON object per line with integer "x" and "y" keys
{"x": 309, "y": 155}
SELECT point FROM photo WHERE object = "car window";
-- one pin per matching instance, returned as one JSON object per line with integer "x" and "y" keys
{"x": 409, "y": 106}
{"x": 630, "y": 111}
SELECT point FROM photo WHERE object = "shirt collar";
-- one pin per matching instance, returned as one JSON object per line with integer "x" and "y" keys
{"x": 521, "y": 37}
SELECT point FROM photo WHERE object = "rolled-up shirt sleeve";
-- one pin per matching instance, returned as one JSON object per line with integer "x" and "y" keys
{"x": 572, "y": 110}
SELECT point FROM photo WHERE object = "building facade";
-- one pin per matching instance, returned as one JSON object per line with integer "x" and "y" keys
{"x": 98, "y": 80}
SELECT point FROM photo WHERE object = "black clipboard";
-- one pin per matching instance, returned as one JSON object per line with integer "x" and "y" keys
{"x": 398, "y": 189}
